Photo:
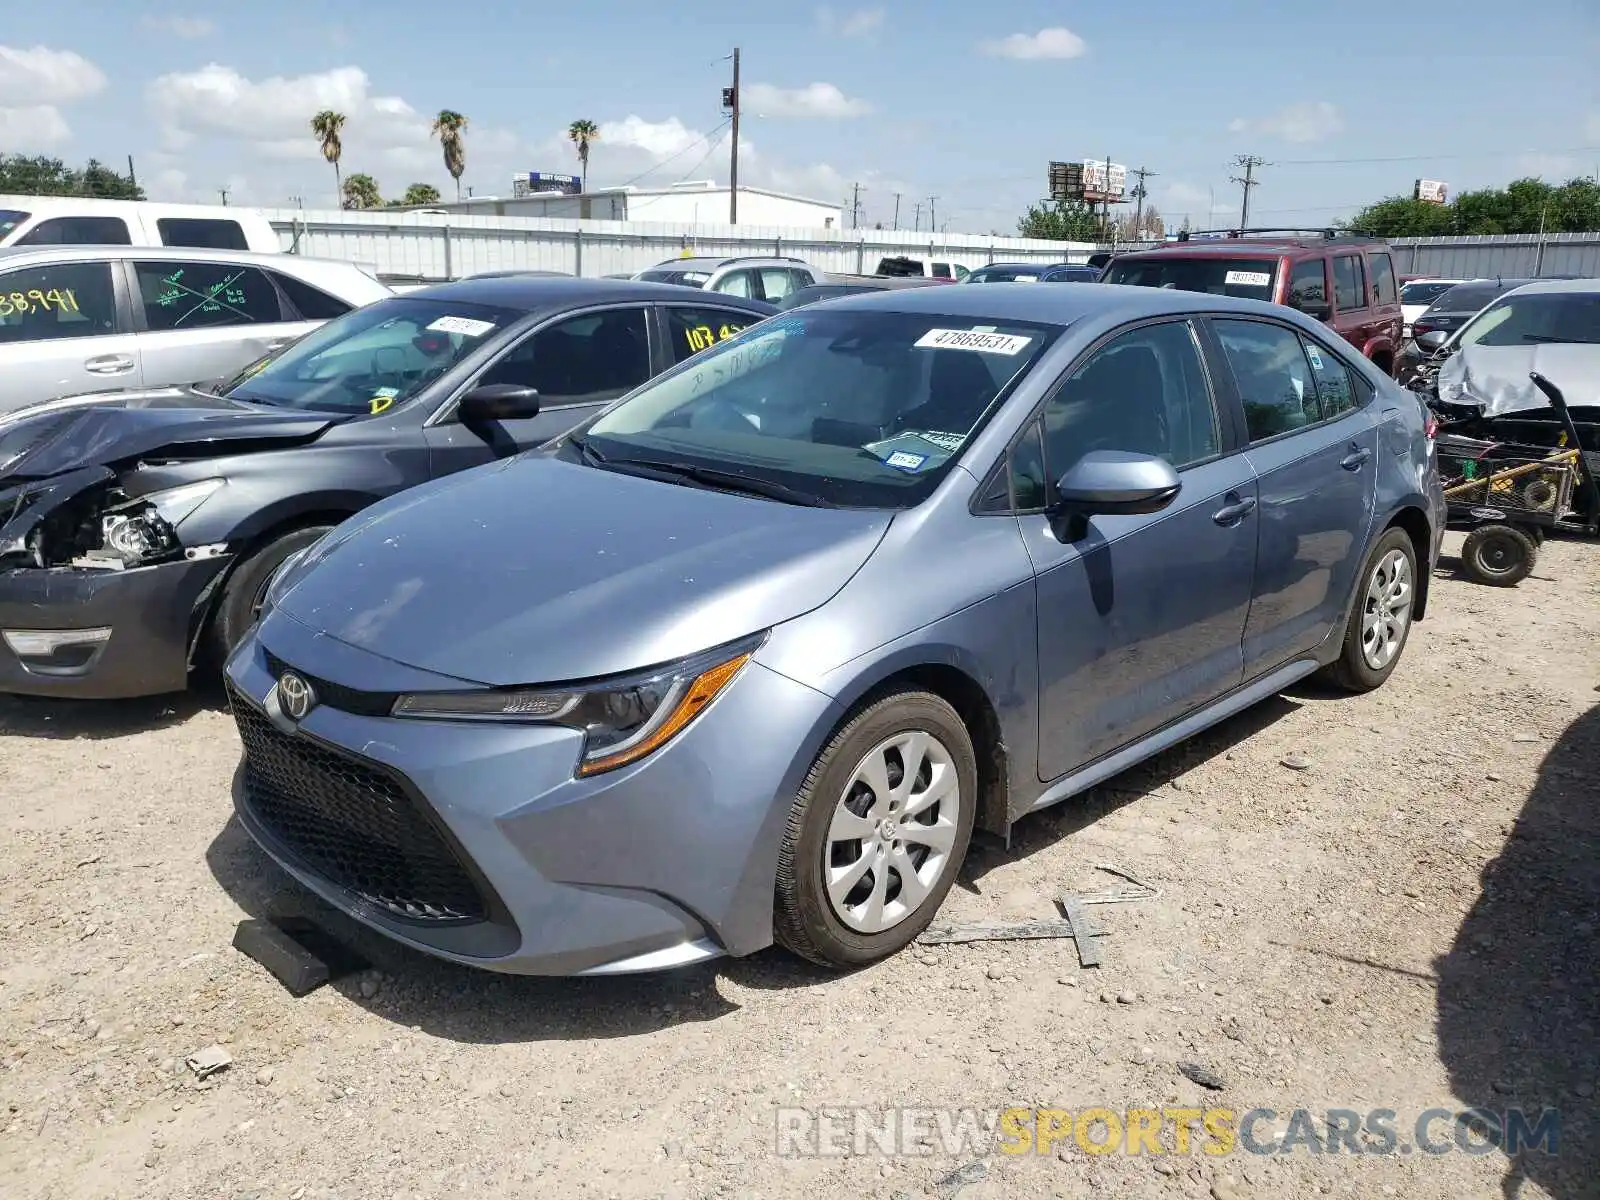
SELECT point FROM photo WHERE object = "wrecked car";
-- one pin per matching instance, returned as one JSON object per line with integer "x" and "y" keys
{"x": 139, "y": 530}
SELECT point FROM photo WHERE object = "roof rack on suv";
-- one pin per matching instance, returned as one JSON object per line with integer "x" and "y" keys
{"x": 1337, "y": 235}
{"x": 760, "y": 257}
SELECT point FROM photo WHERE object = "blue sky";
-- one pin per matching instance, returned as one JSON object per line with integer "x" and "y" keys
{"x": 964, "y": 102}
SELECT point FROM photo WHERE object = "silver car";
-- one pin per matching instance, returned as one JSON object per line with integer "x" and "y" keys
{"x": 752, "y": 276}
{"x": 87, "y": 318}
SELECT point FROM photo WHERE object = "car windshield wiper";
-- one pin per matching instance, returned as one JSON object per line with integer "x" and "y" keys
{"x": 724, "y": 481}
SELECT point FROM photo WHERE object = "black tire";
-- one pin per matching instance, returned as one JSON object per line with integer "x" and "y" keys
{"x": 1498, "y": 555}
{"x": 804, "y": 920}
{"x": 1351, "y": 670}
{"x": 1540, "y": 495}
{"x": 246, "y": 587}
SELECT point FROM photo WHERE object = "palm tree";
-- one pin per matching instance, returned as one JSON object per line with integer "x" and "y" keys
{"x": 326, "y": 125}
{"x": 448, "y": 127}
{"x": 583, "y": 134}
{"x": 361, "y": 191}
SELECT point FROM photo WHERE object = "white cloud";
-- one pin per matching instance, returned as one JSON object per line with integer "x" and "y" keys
{"x": 1190, "y": 198}
{"x": 1552, "y": 168}
{"x": 39, "y": 73}
{"x": 1056, "y": 42}
{"x": 813, "y": 100}
{"x": 1308, "y": 121}
{"x": 190, "y": 29}
{"x": 854, "y": 24}
{"x": 41, "y": 127}
{"x": 1591, "y": 128}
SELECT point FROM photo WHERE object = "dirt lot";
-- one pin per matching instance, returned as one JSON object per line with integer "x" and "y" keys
{"x": 1407, "y": 921}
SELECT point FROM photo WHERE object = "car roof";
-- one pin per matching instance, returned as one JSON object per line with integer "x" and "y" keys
{"x": 1052, "y": 306}
{"x": 1501, "y": 285}
{"x": 709, "y": 263}
{"x": 1559, "y": 286}
{"x": 531, "y": 293}
{"x": 1258, "y": 247}
{"x": 15, "y": 254}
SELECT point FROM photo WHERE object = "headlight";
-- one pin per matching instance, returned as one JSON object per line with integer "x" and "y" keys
{"x": 622, "y": 720}
{"x": 143, "y": 527}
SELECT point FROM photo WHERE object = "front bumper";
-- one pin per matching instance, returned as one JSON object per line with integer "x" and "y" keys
{"x": 654, "y": 865}
{"x": 149, "y": 611}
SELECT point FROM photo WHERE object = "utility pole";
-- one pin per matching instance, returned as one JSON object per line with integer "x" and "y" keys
{"x": 223, "y": 192}
{"x": 916, "y": 217}
{"x": 132, "y": 179}
{"x": 730, "y": 100}
{"x": 855, "y": 206}
{"x": 1139, "y": 193}
{"x": 933, "y": 219}
{"x": 1248, "y": 180}
{"x": 896, "y": 224}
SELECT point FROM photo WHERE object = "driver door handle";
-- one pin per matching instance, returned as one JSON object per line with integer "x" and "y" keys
{"x": 108, "y": 364}
{"x": 1233, "y": 513}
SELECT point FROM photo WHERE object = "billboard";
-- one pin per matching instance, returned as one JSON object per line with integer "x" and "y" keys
{"x": 1431, "y": 191}
{"x": 533, "y": 183}
{"x": 1104, "y": 180}
{"x": 1066, "y": 181}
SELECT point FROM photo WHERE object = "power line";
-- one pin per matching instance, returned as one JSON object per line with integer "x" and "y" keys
{"x": 1249, "y": 162}
{"x": 654, "y": 167}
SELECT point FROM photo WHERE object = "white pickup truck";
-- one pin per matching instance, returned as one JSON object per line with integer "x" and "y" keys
{"x": 78, "y": 221}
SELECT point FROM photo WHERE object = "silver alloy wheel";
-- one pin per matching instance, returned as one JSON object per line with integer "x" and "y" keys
{"x": 1387, "y": 611}
{"x": 892, "y": 832}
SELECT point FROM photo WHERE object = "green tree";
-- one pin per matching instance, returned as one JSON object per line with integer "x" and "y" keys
{"x": 41, "y": 176}
{"x": 583, "y": 134}
{"x": 361, "y": 191}
{"x": 327, "y": 126}
{"x": 1401, "y": 216}
{"x": 1068, "y": 221}
{"x": 448, "y": 127}
{"x": 417, "y": 195}
{"x": 1522, "y": 206}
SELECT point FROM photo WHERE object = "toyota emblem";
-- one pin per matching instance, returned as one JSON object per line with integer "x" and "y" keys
{"x": 295, "y": 695}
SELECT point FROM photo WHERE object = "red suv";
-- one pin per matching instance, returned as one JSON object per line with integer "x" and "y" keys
{"x": 1349, "y": 282}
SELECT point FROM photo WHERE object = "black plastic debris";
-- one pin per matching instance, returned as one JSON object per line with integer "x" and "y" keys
{"x": 298, "y": 953}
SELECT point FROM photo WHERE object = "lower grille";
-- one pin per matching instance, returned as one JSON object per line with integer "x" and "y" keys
{"x": 352, "y": 823}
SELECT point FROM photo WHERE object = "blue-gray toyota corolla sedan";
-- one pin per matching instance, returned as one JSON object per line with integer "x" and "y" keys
{"x": 748, "y": 655}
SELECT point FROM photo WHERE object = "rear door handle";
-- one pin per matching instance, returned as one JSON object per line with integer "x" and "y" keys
{"x": 1233, "y": 513}
{"x": 1356, "y": 459}
{"x": 108, "y": 364}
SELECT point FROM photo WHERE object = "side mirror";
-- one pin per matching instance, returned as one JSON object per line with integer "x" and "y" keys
{"x": 1433, "y": 341}
{"x": 498, "y": 402}
{"x": 1113, "y": 483}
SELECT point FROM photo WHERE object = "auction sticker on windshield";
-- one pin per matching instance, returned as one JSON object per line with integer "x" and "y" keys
{"x": 1248, "y": 279}
{"x": 971, "y": 339}
{"x": 465, "y": 326}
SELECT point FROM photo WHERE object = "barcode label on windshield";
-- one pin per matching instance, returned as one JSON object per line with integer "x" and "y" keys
{"x": 970, "y": 339}
{"x": 1248, "y": 279}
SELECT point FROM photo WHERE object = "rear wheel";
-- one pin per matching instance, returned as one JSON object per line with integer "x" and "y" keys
{"x": 1498, "y": 555}
{"x": 1380, "y": 619}
{"x": 246, "y": 589}
{"x": 878, "y": 830}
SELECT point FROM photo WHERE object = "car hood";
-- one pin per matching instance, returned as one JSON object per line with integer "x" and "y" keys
{"x": 1495, "y": 378}
{"x": 108, "y": 427}
{"x": 542, "y": 571}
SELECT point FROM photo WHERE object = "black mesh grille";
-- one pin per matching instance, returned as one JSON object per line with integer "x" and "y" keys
{"x": 352, "y": 823}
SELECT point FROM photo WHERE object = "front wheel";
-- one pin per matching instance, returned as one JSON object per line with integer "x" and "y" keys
{"x": 1380, "y": 619}
{"x": 877, "y": 832}
{"x": 246, "y": 589}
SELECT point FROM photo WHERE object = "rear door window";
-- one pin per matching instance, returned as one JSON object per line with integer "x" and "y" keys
{"x": 67, "y": 300}
{"x": 78, "y": 231}
{"x": 201, "y": 295}
{"x": 691, "y": 330}
{"x": 1383, "y": 283}
{"x": 1308, "y": 286}
{"x": 1349, "y": 282}
{"x": 1336, "y": 393}
{"x": 311, "y": 303}
{"x": 210, "y": 234}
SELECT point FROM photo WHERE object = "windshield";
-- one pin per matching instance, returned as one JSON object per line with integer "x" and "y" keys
{"x": 373, "y": 359}
{"x": 1423, "y": 292}
{"x": 682, "y": 278}
{"x": 849, "y": 407}
{"x": 1469, "y": 297}
{"x": 1537, "y": 318}
{"x": 1006, "y": 275}
{"x": 10, "y": 218}
{"x": 1249, "y": 278}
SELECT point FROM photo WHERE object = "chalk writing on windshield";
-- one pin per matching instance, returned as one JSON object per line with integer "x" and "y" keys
{"x": 226, "y": 295}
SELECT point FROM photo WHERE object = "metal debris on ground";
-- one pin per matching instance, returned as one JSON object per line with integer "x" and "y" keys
{"x": 961, "y": 1177}
{"x": 998, "y": 931}
{"x": 1083, "y": 932}
{"x": 1203, "y": 1075}
{"x": 209, "y": 1061}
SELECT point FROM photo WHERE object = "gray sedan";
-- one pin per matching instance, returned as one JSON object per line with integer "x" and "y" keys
{"x": 77, "y": 319}
{"x": 750, "y": 654}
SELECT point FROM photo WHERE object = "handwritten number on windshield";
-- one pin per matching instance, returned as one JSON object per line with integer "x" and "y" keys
{"x": 38, "y": 300}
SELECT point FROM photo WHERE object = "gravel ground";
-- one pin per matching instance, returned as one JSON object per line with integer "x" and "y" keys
{"x": 1384, "y": 902}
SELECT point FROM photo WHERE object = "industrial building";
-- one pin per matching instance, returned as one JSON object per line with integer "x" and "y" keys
{"x": 701, "y": 202}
